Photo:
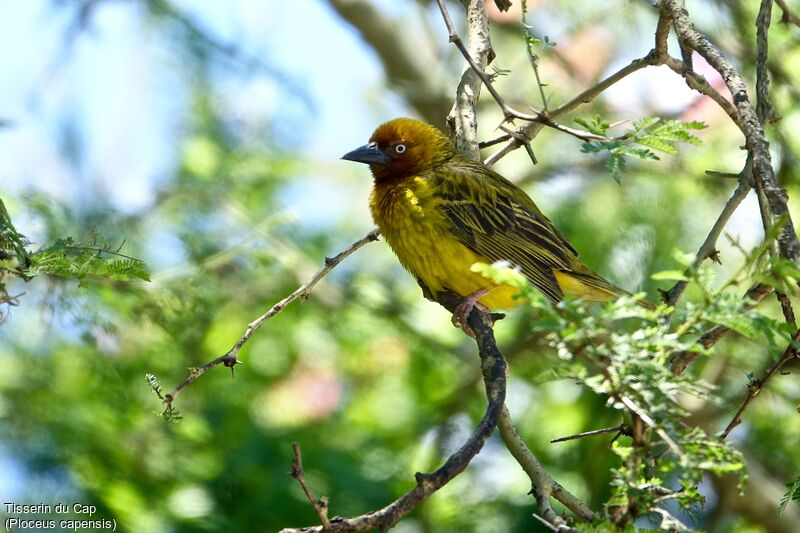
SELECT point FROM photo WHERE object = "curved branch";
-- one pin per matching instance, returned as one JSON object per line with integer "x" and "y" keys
{"x": 493, "y": 366}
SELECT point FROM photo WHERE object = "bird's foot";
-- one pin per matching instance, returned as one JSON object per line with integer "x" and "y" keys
{"x": 462, "y": 310}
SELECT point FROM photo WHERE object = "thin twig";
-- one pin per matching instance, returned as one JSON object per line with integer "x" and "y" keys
{"x": 708, "y": 250}
{"x": 755, "y": 388}
{"x": 532, "y": 57}
{"x": 321, "y": 505}
{"x": 508, "y": 112}
{"x": 229, "y": 359}
{"x": 530, "y": 130}
{"x": 622, "y": 429}
{"x": 647, "y": 419}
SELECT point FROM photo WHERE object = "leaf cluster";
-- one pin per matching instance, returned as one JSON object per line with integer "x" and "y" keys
{"x": 622, "y": 352}
{"x": 64, "y": 258}
{"x": 646, "y": 135}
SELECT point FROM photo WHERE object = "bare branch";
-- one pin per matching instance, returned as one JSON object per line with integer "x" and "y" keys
{"x": 529, "y": 131}
{"x": 755, "y": 388}
{"x": 708, "y": 250}
{"x": 622, "y": 429}
{"x": 788, "y": 16}
{"x": 321, "y": 505}
{"x": 229, "y": 359}
{"x": 463, "y": 118}
{"x": 543, "y": 484}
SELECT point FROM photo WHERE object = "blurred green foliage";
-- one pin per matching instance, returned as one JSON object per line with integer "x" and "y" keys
{"x": 371, "y": 380}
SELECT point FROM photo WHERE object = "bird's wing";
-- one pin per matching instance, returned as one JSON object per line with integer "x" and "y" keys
{"x": 497, "y": 220}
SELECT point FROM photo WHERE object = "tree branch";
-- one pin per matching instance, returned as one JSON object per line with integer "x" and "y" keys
{"x": 229, "y": 359}
{"x": 756, "y": 141}
{"x": 755, "y": 388}
{"x": 543, "y": 484}
{"x": 321, "y": 505}
{"x": 708, "y": 250}
{"x": 493, "y": 366}
{"x": 463, "y": 118}
{"x": 788, "y": 16}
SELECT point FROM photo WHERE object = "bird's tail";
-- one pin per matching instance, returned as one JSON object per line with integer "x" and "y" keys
{"x": 591, "y": 287}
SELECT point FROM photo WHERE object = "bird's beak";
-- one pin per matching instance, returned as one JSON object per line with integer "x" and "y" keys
{"x": 369, "y": 154}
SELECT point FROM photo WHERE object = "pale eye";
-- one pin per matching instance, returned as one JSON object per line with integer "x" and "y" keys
{"x": 400, "y": 149}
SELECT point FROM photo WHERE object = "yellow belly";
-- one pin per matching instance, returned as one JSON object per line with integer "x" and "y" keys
{"x": 421, "y": 242}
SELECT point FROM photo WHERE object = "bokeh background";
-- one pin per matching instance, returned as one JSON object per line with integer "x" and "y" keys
{"x": 204, "y": 138}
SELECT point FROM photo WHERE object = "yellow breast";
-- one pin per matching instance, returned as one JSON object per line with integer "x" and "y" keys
{"x": 407, "y": 214}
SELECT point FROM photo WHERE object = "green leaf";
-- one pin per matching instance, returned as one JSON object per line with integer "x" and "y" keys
{"x": 670, "y": 275}
{"x": 793, "y": 494}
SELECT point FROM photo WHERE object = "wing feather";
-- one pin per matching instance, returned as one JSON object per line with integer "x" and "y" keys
{"x": 495, "y": 219}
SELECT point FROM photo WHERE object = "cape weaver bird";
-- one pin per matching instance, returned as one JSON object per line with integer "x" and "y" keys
{"x": 442, "y": 212}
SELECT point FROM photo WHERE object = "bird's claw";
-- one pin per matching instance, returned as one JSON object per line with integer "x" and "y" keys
{"x": 462, "y": 311}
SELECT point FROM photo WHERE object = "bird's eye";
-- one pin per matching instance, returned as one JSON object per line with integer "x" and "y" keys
{"x": 400, "y": 148}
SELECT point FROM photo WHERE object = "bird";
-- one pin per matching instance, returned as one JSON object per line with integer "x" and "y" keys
{"x": 441, "y": 212}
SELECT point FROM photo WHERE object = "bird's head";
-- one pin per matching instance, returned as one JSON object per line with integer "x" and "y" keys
{"x": 402, "y": 148}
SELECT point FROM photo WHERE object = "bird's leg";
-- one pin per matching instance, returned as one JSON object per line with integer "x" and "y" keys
{"x": 462, "y": 310}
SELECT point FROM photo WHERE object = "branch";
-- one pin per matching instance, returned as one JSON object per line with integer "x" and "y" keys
{"x": 755, "y": 388}
{"x": 622, "y": 429}
{"x": 509, "y": 113}
{"x": 493, "y": 366}
{"x": 708, "y": 250}
{"x": 756, "y": 294}
{"x": 543, "y": 484}
{"x": 321, "y": 505}
{"x": 463, "y": 118}
{"x": 229, "y": 359}
{"x": 756, "y": 142}
{"x": 529, "y": 131}
{"x": 788, "y": 16}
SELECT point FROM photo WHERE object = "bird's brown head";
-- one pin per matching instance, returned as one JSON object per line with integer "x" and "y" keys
{"x": 402, "y": 148}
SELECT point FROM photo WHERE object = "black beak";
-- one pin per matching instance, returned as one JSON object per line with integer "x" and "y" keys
{"x": 369, "y": 154}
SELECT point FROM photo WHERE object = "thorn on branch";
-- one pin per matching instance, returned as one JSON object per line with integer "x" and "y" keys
{"x": 622, "y": 429}
{"x": 505, "y": 5}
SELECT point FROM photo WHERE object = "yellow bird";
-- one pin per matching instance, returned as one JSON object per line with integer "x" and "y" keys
{"x": 442, "y": 212}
